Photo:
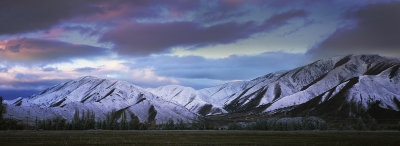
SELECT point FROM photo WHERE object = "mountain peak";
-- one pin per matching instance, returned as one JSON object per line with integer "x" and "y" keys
{"x": 376, "y": 58}
{"x": 88, "y": 78}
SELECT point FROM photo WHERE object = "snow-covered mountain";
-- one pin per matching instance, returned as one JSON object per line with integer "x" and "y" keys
{"x": 98, "y": 95}
{"x": 347, "y": 86}
{"x": 340, "y": 87}
{"x": 189, "y": 98}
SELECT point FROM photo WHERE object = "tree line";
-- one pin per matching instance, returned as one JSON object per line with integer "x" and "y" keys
{"x": 85, "y": 120}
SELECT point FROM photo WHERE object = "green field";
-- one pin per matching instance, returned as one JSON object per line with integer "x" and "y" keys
{"x": 198, "y": 138}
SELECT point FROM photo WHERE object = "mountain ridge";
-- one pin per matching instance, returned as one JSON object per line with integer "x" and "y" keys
{"x": 352, "y": 86}
{"x": 100, "y": 96}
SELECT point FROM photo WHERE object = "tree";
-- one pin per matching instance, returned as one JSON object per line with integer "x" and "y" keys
{"x": 152, "y": 115}
{"x": 134, "y": 123}
{"x": 123, "y": 123}
{"x": 398, "y": 126}
{"x": 313, "y": 123}
{"x": 170, "y": 125}
{"x": 2, "y": 109}
{"x": 199, "y": 124}
{"x": 360, "y": 124}
{"x": 82, "y": 122}
{"x": 76, "y": 120}
{"x": 234, "y": 126}
{"x": 89, "y": 120}
{"x": 374, "y": 125}
{"x": 111, "y": 121}
{"x": 36, "y": 124}
{"x": 99, "y": 124}
{"x": 180, "y": 125}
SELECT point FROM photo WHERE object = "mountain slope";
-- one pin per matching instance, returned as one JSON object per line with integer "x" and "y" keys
{"x": 350, "y": 85}
{"x": 189, "y": 98}
{"x": 98, "y": 95}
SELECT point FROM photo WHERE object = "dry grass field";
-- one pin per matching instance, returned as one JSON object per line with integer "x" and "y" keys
{"x": 102, "y": 137}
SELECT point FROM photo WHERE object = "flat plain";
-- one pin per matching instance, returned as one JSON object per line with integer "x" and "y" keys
{"x": 148, "y": 137}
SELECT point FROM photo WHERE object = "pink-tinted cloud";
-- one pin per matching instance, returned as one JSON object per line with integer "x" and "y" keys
{"x": 117, "y": 11}
{"x": 120, "y": 10}
{"x": 54, "y": 33}
{"x": 27, "y": 15}
{"x": 28, "y": 49}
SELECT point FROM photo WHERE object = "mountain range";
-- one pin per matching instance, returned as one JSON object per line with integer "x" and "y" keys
{"x": 340, "y": 87}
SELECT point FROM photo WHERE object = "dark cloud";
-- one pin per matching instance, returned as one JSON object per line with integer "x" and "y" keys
{"x": 49, "y": 69}
{"x": 88, "y": 30}
{"x": 22, "y": 76}
{"x": 85, "y": 69}
{"x": 143, "y": 39}
{"x": 281, "y": 19}
{"x": 29, "y": 84}
{"x": 377, "y": 31}
{"x": 285, "y": 3}
{"x": 27, "y": 15}
{"x": 40, "y": 50}
{"x": 147, "y": 38}
{"x": 224, "y": 9}
{"x": 3, "y": 69}
{"x": 14, "y": 48}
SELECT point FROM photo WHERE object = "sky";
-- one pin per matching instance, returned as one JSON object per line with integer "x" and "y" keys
{"x": 195, "y": 43}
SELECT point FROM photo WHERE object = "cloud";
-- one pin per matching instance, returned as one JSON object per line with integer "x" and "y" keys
{"x": 50, "y": 69}
{"x": 23, "y": 76}
{"x": 54, "y": 33}
{"x": 230, "y": 68}
{"x": 16, "y": 14}
{"x": 31, "y": 84}
{"x": 38, "y": 78}
{"x": 34, "y": 78}
{"x": 26, "y": 15}
{"x": 199, "y": 72}
{"x": 148, "y": 38}
{"x": 376, "y": 31}
{"x": 215, "y": 11}
{"x": 147, "y": 76}
{"x": 40, "y": 50}
{"x": 284, "y": 3}
{"x": 154, "y": 71}
{"x": 88, "y": 30}
{"x": 144, "y": 39}
{"x": 3, "y": 70}
{"x": 85, "y": 69}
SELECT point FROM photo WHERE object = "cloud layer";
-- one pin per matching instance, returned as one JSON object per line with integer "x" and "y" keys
{"x": 26, "y": 15}
{"x": 231, "y": 68}
{"x": 39, "y": 50}
{"x": 146, "y": 38}
{"x": 376, "y": 31}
